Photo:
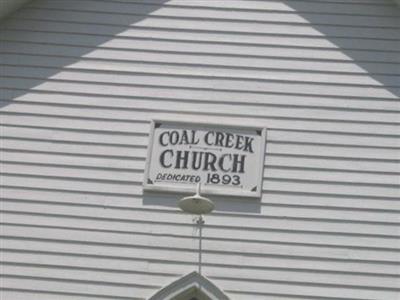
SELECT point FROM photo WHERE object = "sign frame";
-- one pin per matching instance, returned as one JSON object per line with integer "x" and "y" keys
{"x": 149, "y": 187}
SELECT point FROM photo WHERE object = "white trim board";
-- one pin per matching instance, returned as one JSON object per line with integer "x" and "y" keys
{"x": 192, "y": 284}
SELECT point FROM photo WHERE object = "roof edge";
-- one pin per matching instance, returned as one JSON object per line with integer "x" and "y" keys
{"x": 192, "y": 282}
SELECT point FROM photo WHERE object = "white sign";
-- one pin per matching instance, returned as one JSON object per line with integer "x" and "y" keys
{"x": 226, "y": 160}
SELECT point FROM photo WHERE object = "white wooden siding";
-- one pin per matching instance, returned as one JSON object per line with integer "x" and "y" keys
{"x": 81, "y": 81}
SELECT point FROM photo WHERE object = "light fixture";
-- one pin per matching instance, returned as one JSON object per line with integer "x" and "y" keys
{"x": 196, "y": 204}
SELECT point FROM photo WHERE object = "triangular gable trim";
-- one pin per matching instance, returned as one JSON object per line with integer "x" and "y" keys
{"x": 193, "y": 282}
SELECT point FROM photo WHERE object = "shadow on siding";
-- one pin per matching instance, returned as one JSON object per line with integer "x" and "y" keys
{"x": 386, "y": 45}
{"x": 13, "y": 87}
{"x": 381, "y": 37}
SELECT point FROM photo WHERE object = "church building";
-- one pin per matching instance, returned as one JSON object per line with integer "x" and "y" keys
{"x": 200, "y": 149}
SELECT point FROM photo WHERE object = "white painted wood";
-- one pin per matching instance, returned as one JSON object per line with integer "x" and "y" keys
{"x": 201, "y": 70}
{"x": 333, "y": 241}
{"x": 136, "y": 267}
{"x": 378, "y": 227}
{"x": 226, "y": 44}
{"x": 189, "y": 257}
{"x": 329, "y": 203}
{"x": 180, "y": 57}
{"x": 173, "y": 23}
{"x": 207, "y": 82}
{"x": 81, "y": 81}
{"x": 147, "y": 112}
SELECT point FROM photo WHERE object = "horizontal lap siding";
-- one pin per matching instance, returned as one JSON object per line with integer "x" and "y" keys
{"x": 81, "y": 82}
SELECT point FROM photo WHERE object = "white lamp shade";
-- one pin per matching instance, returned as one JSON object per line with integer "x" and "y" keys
{"x": 196, "y": 204}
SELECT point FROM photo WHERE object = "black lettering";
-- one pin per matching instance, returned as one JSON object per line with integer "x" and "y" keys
{"x": 162, "y": 158}
{"x": 229, "y": 140}
{"x": 182, "y": 158}
{"x": 239, "y": 142}
{"x": 209, "y": 161}
{"x": 194, "y": 141}
{"x": 184, "y": 138}
{"x": 197, "y": 159}
{"x": 248, "y": 146}
{"x": 174, "y": 137}
{"x": 236, "y": 180}
{"x": 206, "y": 140}
{"x": 219, "y": 138}
{"x": 222, "y": 160}
{"x": 238, "y": 163}
{"x": 161, "y": 138}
